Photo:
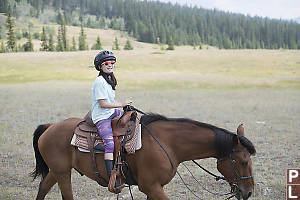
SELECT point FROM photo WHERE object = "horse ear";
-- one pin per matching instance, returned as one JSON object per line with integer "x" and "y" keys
{"x": 240, "y": 130}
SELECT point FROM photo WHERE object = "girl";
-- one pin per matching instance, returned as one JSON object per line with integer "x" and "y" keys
{"x": 104, "y": 104}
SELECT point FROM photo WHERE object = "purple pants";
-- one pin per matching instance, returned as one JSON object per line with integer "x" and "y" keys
{"x": 105, "y": 131}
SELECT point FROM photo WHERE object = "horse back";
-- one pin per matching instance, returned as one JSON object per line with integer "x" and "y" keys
{"x": 59, "y": 134}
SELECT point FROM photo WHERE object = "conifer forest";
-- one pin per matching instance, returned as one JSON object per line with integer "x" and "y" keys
{"x": 155, "y": 22}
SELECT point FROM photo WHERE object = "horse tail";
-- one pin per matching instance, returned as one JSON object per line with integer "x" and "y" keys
{"x": 41, "y": 167}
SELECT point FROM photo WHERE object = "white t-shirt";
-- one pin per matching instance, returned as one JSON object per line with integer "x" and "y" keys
{"x": 101, "y": 90}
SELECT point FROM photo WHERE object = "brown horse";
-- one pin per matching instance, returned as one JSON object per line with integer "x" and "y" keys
{"x": 166, "y": 143}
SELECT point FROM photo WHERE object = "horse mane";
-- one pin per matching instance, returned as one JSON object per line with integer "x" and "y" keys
{"x": 225, "y": 139}
{"x": 151, "y": 117}
{"x": 248, "y": 144}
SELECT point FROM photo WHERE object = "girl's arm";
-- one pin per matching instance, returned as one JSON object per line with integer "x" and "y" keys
{"x": 104, "y": 104}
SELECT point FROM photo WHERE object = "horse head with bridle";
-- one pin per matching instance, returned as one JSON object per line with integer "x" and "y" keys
{"x": 234, "y": 162}
{"x": 166, "y": 142}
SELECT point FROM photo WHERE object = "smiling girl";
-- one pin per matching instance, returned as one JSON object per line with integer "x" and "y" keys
{"x": 104, "y": 104}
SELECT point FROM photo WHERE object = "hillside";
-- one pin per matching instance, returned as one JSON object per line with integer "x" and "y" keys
{"x": 107, "y": 36}
{"x": 156, "y": 22}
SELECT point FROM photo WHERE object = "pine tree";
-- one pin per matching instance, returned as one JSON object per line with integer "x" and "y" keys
{"x": 11, "y": 38}
{"x": 81, "y": 40}
{"x": 170, "y": 44}
{"x": 20, "y": 48}
{"x": 2, "y": 47}
{"x": 128, "y": 45}
{"x": 73, "y": 48}
{"x": 200, "y": 46}
{"x": 59, "y": 46}
{"x": 28, "y": 46}
{"x": 63, "y": 37}
{"x": 44, "y": 45}
{"x": 64, "y": 46}
{"x": 186, "y": 25}
{"x": 51, "y": 43}
{"x": 64, "y": 34}
{"x": 116, "y": 44}
{"x": 97, "y": 45}
{"x": 226, "y": 43}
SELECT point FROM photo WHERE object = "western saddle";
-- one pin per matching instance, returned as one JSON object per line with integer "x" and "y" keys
{"x": 123, "y": 128}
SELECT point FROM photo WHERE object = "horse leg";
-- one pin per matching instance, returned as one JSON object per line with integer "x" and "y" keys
{"x": 64, "y": 183}
{"x": 155, "y": 192}
{"x": 45, "y": 185}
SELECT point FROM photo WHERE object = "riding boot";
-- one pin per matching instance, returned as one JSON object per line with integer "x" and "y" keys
{"x": 109, "y": 166}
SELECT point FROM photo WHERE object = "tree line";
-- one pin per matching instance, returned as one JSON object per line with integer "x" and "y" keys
{"x": 47, "y": 41}
{"x": 156, "y": 22}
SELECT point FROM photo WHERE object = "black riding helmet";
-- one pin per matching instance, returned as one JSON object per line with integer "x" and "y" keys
{"x": 103, "y": 56}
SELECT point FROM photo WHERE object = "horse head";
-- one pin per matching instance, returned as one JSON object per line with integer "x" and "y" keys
{"x": 236, "y": 165}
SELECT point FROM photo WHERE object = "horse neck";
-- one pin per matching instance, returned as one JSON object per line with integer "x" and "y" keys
{"x": 194, "y": 142}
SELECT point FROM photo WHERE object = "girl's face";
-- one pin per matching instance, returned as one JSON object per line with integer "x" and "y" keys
{"x": 108, "y": 66}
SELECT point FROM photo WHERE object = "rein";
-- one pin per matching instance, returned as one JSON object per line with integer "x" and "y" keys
{"x": 216, "y": 177}
{"x": 131, "y": 108}
{"x": 150, "y": 133}
{"x": 214, "y": 193}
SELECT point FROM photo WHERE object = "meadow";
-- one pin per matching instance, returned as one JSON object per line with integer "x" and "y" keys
{"x": 259, "y": 88}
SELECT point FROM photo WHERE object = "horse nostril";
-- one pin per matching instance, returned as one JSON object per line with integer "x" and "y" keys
{"x": 249, "y": 194}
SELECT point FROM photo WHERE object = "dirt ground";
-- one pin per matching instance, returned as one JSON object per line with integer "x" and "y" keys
{"x": 271, "y": 119}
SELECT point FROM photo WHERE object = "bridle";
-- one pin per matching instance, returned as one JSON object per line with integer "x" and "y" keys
{"x": 238, "y": 177}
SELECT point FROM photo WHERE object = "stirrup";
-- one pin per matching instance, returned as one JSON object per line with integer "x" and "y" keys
{"x": 118, "y": 187}
{"x": 114, "y": 186}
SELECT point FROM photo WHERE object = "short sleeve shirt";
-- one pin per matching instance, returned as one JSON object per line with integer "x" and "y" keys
{"x": 101, "y": 90}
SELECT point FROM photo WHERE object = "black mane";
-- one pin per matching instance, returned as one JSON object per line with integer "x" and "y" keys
{"x": 248, "y": 144}
{"x": 151, "y": 117}
{"x": 225, "y": 140}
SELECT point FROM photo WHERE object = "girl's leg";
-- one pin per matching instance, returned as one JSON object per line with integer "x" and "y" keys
{"x": 116, "y": 113}
{"x": 105, "y": 131}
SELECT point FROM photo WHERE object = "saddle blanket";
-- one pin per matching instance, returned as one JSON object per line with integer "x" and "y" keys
{"x": 82, "y": 143}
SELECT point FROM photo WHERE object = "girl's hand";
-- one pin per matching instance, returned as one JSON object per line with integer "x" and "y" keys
{"x": 127, "y": 103}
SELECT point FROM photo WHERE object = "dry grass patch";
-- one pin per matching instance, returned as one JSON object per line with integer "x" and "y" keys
{"x": 24, "y": 106}
{"x": 183, "y": 67}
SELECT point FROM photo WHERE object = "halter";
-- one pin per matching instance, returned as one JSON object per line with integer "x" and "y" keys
{"x": 235, "y": 170}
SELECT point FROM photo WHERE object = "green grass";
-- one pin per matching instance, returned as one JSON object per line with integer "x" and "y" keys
{"x": 182, "y": 68}
{"x": 148, "y": 66}
{"x": 159, "y": 84}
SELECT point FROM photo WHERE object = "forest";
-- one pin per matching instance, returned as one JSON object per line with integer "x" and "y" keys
{"x": 155, "y": 22}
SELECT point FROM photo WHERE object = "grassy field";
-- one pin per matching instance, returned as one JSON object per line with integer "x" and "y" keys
{"x": 149, "y": 66}
{"x": 270, "y": 116}
{"x": 259, "y": 88}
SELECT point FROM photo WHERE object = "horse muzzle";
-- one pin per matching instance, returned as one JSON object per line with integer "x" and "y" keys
{"x": 245, "y": 194}
{"x": 241, "y": 193}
